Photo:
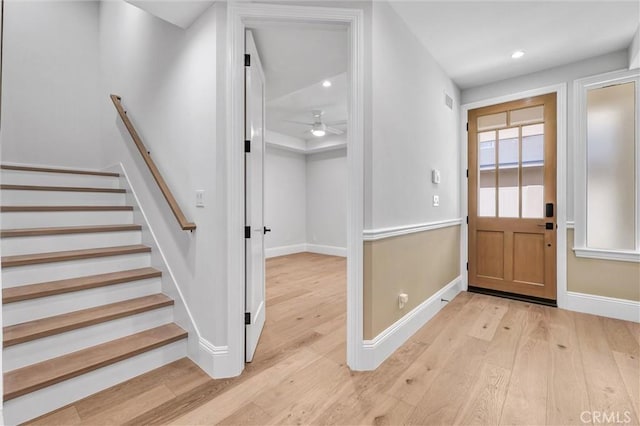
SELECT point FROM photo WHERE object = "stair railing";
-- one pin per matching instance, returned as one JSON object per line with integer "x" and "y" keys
{"x": 164, "y": 188}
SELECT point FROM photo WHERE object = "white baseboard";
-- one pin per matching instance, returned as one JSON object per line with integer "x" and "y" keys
{"x": 216, "y": 361}
{"x": 284, "y": 250}
{"x": 301, "y": 248}
{"x": 610, "y": 307}
{"x": 328, "y": 250}
{"x": 384, "y": 344}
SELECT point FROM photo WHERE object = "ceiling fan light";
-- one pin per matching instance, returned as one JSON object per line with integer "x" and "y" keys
{"x": 318, "y": 133}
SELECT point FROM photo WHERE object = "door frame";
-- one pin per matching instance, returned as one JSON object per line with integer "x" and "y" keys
{"x": 561, "y": 180}
{"x": 238, "y": 16}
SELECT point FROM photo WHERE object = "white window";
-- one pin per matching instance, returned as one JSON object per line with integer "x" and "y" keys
{"x": 607, "y": 200}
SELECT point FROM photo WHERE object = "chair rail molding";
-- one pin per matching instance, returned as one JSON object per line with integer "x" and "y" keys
{"x": 395, "y": 231}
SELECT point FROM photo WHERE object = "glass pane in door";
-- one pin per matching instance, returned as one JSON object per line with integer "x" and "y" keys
{"x": 508, "y": 173}
{"x": 526, "y": 115}
{"x": 533, "y": 171}
{"x": 492, "y": 121}
{"x": 487, "y": 170}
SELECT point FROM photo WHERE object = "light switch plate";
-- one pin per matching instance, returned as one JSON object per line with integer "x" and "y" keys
{"x": 435, "y": 176}
{"x": 200, "y": 198}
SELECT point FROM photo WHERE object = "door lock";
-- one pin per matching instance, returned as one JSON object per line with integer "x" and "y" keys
{"x": 548, "y": 225}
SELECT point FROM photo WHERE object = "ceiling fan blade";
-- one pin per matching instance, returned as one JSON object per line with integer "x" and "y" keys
{"x": 298, "y": 122}
{"x": 336, "y": 123}
{"x": 334, "y": 131}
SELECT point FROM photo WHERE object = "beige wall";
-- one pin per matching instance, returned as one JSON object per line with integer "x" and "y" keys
{"x": 418, "y": 264}
{"x": 602, "y": 277}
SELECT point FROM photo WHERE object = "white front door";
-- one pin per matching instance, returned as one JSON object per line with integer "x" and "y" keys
{"x": 254, "y": 198}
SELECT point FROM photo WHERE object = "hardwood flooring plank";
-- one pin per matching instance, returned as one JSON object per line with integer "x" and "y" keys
{"x": 526, "y": 401}
{"x": 146, "y": 401}
{"x": 484, "y": 402}
{"x": 619, "y": 337}
{"x": 504, "y": 345}
{"x": 65, "y": 416}
{"x": 413, "y": 383}
{"x": 388, "y": 412}
{"x": 629, "y": 367}
{"x": 168, "y": 375}
{"x": 438, "y": 406}
{"x": 565, "y": 372}
{"x": 250, "y": 414}
{"x": 228, "y": 402}
{"x": 487, "y": 322}
{"x": 607, "y": 392}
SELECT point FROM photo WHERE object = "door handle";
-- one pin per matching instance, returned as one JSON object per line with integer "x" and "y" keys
{"x": 266, "y": 230}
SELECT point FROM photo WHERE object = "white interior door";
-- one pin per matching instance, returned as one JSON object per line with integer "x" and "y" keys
{"x": 254, "y": 202}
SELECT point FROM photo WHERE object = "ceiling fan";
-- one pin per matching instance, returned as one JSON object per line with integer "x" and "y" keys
{"x": 318, "y": 127}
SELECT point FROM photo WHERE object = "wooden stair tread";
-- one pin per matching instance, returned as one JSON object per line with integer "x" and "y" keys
{"x": 60, "y": 256}
{"x": 52, "y": 288}
{"x": 37, "y": 376}
{"x": 8, "y": 209}
{"x": 54, "y": 170}
{"x": 61, "y": 188}
{"x": 36, "y": 329}
{"x": 32, "y": 232}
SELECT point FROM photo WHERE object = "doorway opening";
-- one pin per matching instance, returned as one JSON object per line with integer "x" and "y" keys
{"x": 512, "y": 199}
{"x": 295, "y": 186}
{"x": 241, "y": 17}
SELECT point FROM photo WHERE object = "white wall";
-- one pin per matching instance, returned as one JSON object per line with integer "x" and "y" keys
{"x": 564, "y": 74}
{"x": 306, "y": 202}
{"x": 51, "y": 75}
{"x": 285, "y": 210}
{"x": 168, "y": 79}
{"x": 413, "y": 131}
{"x": 327, "y": 199}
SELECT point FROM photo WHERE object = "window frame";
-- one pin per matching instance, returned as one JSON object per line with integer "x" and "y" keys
{"x": 580, "y": 89}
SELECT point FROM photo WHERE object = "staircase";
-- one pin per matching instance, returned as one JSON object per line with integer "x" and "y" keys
{"x": 82, "y": 307}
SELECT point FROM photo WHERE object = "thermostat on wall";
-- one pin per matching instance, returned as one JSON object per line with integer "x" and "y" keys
{"x": 435, "y": 176}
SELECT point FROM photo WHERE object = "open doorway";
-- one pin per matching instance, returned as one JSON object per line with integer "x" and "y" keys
{"x": 296, "y": 186}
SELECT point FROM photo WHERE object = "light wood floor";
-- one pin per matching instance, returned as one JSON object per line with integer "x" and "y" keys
{"x": 481, "y": 360}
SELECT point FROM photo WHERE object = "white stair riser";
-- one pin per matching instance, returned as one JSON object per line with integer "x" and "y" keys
{"x": 31, "y": 274}
{"x": 45, "y": 348}
{"x": 49, "y": 219}
{"x": 12, "y": 197}
{"x": 48, "y": 243}
{"x": 37, "y": 403}
{"x": 14, "y": 177}
{"x": 29, "y": 310}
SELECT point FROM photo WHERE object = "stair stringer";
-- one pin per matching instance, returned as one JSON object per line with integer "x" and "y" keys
{"x": 214, "y": 360}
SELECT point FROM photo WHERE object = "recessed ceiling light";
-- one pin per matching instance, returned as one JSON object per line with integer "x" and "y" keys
{"x": 326, "y": 83}
{"x": 517, "y": 54}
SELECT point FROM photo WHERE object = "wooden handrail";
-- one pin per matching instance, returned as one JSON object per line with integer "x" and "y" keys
{"x": 173, "y": 204}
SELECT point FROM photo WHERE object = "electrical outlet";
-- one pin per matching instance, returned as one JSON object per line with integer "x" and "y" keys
{"x": 403, "y": 298}
{"x": 200, "y": 198}
{"x": 436, "y": 201}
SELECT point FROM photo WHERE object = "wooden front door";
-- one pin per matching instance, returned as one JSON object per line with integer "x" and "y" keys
{"x": 512, "y": 197}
